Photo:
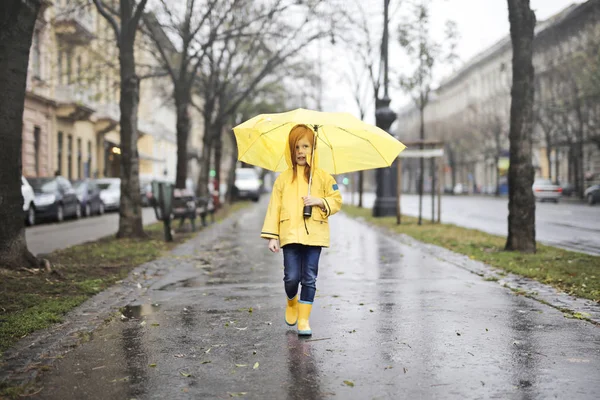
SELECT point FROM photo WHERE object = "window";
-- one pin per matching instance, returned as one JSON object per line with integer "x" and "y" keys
{"x": 79, "y": 159}
{"x": 89, "y": 160}
{"x": 36, "y": 57}
{"x": 36, "y": 148}
{"x": 59, "y": 67}
{"x": 70, "y": 156}
{"x": 69, "y": 66}
{"x": 59, "y": 153}
{"x": 79, "y": 69}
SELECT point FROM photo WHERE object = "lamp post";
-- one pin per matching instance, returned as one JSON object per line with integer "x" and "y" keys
{"x": 386, "y": 178}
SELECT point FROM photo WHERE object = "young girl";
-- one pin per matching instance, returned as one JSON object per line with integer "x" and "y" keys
{"x": 301, "y": 238}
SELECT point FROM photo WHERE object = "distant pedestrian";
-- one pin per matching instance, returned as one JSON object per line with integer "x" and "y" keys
{"x": 300, "y": 237}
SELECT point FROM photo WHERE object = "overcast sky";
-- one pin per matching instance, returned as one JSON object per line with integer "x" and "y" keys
{"x": 481, "y": 23}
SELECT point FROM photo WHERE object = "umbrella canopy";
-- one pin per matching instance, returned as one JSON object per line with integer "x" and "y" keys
{"x": 344, "y": 143}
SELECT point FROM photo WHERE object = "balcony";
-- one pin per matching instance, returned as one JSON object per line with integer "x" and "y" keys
{"x": 74, "y": 24}
{"x": 74, "y": 103}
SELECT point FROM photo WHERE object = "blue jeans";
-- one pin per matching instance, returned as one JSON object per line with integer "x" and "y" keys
{"x": 301, "y": 265}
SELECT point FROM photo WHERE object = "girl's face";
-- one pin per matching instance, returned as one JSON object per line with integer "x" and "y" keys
{"x": 303, "y": 150}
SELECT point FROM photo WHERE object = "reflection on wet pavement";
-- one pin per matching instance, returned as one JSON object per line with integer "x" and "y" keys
{"x": 388, "y": 318}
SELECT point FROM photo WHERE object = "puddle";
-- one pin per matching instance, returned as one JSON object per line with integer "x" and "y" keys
{"x": 140, "y": 310}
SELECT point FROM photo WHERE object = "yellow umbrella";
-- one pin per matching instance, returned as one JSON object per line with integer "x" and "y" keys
{"x": 344, "y": 143}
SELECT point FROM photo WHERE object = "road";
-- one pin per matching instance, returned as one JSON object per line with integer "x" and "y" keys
{"x": 391, "y": 320}
{"x": 568, "y": 225}
{"x": 47, "y": 237}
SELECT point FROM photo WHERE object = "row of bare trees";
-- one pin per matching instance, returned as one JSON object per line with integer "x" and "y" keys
{"x": 222, "y": 58}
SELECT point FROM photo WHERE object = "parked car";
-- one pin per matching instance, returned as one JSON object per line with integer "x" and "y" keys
{"x": 88, "y": 194}
{"x": 110, "y": 192}
{"x": 545, "y": 190}
{"x": 28, "y": 198}
{"x": 55, "y": 198}
{"x": 567, "y": 189}
{"x": 247, "y": 184}
{"x": 592, "y": 194}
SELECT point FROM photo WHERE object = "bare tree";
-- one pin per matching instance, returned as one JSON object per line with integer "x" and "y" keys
{"x": 17, "y": 21}
{"x": 425, "y": 52}
{"x": 241, "y": 63}
{"x": 194, "y": 35}
{"x": 125, "y": 23}
{"x": 521, "y": 203}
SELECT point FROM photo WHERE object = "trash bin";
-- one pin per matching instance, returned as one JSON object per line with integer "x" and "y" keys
{"x": 162, "y": 196}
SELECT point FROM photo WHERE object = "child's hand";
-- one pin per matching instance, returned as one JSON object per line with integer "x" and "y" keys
{"x": 313, "y": 201}
{"x": 274, "y": 245}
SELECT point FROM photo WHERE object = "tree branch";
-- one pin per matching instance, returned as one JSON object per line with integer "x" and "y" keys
{"x": 111, "y": 20}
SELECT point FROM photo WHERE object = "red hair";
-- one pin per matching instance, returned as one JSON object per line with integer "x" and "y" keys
{"x": 298, "y": 132}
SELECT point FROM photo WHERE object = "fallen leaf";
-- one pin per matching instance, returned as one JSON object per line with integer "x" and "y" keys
{"x": 405, "y": 370}
{"x": 139, "y": 285}
{"x": 155, "y": 324}
{"x": 143, "y": 323}
{"x": 255, "y": 365}
{"x": 208, "y": 351}
{"x": 185, "y": 374}
{"x": 254, "y": 352}
{"x": 179, "y": 355}
{"x": 389, "y": 367}
{"x": 206, "y": 362}
{"x": 241, "y": 365}
{"x": 371, "y": 310}
{"x": 349, "y": 383}
{"x": 457, "y": 333}
{"x": 238, "y": 394}
{"x": 241, "y": 329}
{"x": 152, "y": 365}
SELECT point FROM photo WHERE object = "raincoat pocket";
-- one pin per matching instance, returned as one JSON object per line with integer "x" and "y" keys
{"x": 284, "y": 216}
{"x": 317, "y": 216}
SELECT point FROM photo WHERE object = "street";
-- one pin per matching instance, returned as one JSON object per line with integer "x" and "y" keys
{"x": 390, "y": 321}
{"x": 47, "y": 237}
{"x": 568, "y": 225}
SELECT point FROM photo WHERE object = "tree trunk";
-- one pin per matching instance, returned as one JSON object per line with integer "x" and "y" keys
{"x": 521, "y": 203}
{"x": 130, "y": 210}
{"x": 218, "y": 150}
{"x": 231, "y": 175}
{"x": 182, "y": 103}
{"x": 497, "y": 173}
{"x": 421, "y": 163}
{"x": 17, "y": 20}
{"x": 549, "y": 160}
{"x": 202, "y": 187}
{"x": 557, "y": 164}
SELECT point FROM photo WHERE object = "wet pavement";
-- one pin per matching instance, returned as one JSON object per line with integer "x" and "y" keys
{"x": 391, "y": 320}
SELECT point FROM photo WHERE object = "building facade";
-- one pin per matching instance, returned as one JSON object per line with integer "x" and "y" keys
{"x": 470, "y": 110}
{"x": 71, "y": 117}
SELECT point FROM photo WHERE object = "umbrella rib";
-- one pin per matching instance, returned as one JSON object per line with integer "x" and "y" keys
{"x": 330, "y": 146}
{"x": 366, "y": 140}
{"x": 258, "y": 137}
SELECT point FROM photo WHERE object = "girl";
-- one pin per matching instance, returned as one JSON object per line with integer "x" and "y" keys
{"x": 301, "y": 238}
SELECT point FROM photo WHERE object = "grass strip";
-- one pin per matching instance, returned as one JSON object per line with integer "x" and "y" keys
{"x": 574, "y": 273}
{"x": 30, "y": 302}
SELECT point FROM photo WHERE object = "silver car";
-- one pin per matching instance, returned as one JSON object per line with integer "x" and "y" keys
{"x": 545, "y": 190}
{"x": 110, "y": 192}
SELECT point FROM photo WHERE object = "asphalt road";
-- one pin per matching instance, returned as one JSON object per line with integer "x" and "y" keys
{"x": 390, "y": 321}
{"x": 569, "y": 225}
{"x": 47, "y": 237}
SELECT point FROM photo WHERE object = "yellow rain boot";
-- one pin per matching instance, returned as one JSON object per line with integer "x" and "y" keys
{"x": 303, "y": 314}
{"x": 291, "y": 311}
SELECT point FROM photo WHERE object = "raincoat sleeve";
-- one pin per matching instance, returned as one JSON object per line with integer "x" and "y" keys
{"x": 270, "y": 229}
{"x": 333, "y": 197}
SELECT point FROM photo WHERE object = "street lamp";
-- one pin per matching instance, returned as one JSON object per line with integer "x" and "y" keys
{"x": 386, "y": 178}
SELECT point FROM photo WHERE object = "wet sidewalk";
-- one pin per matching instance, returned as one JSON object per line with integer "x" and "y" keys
{"x": 390, "y": 321}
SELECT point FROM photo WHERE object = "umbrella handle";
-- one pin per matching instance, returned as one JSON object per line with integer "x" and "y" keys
{"x": 307, "y": 210}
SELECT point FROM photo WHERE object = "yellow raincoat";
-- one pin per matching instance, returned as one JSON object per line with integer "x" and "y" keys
{"x": 284, "y": 220}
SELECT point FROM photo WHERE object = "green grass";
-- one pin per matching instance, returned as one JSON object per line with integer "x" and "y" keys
{"x": 30, "y": 302}
{"x": 574, "y": 273}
